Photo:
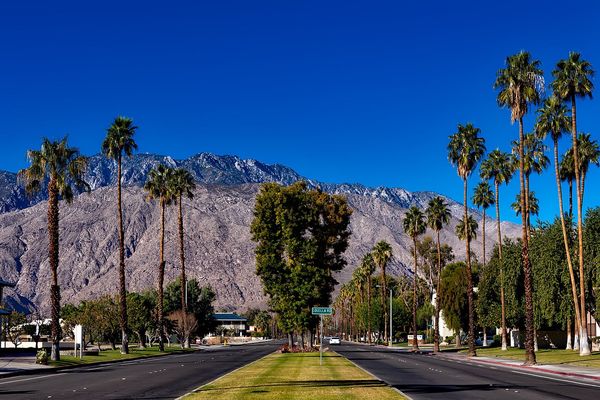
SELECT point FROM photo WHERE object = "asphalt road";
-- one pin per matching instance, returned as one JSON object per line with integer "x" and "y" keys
{"x": 154, "y": 378}
{"x": 422, "y": 376}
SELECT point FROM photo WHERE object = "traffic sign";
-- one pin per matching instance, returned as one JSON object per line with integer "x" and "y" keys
{"x": 322, "y": 311}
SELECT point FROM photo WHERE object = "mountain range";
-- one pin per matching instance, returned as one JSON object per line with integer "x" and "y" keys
{"x": 218, "y": 245}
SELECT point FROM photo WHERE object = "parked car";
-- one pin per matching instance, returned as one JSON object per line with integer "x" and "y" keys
{"x": 334, "y": 340}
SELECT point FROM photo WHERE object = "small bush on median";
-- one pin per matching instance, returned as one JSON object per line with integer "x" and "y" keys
{"x": 41, "y": 357}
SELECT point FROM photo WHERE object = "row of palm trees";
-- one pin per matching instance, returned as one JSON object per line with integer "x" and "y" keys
{"x": 62, "y": 168}
{"x": 520, "y": 85}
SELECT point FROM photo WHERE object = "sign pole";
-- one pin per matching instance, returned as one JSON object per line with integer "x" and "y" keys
{"x": 321, "y": 343}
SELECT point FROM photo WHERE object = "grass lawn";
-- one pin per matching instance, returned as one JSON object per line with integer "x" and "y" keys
{"x": 545, "y": 356}
{"x": 297, "y": 376}
{"x": 111, "y": 355}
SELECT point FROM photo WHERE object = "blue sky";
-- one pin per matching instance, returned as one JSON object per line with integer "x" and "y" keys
{"x": 341, "y": 91}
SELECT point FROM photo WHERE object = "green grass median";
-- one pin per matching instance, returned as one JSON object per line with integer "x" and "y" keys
{"x": 297, "y": 376}
{"x": 545, "y": 356}
{"x": 112, "y": 355}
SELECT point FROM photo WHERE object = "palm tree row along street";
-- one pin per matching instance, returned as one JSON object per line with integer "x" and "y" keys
{"x": 520, "y": 88}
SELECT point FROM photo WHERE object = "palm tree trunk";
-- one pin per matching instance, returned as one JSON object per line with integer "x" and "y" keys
{"x": 436, "y": 333}
{"x": 415, "y": 344}
{"x": 502, "y": 305}
{"x": 569, "y": 339}
{"x": 529, "y": 324}
{"x": 565, "y": 239}
{"x": 571, "y": 200}
{"x": 471, "y": 336}
{"x": 528, "y": 217}
{"x": 186, "y": 343}
{"x": 483, "y": 230}
{"x": 383, "y": 303}
{"x": 161, "y": 278}
{"x": 369, "y": 283}
{"x": 53, "y": 248}
{"x": 122, "y": 287}
{"x": 584, "y": 346}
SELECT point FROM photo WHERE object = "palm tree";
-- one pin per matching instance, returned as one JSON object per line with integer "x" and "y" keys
{"x": 382, "y": 253}
{"x": 521, "y": 83}
{"x": 572, "y": 79}
{"x": 467, "y": 231}
{"x": 438, "y": 215}
{"x": 553, "y": 119}
{"x": 465, "y": 150}
{"x": 589, "y": 153}
{"x": 483, "y": 198}
{"x": 499, "y": 167}
{"x": 535, "y": 161}
{"x": 61, "y": 166}
{"x": 414, "y": 225}
{"x": 182, "y": 184}
{"x": 534, "y": 204}
{"x": 119, "y": 140}
{"x": 368, "y": 268}
{"x": 158, "y": 187}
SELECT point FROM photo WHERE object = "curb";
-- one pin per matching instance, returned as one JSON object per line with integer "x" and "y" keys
{"x": 51, "y": 370}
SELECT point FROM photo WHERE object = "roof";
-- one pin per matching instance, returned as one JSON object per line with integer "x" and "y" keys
{"x": 228, "y": 317}
{"x": 4, "y": 283}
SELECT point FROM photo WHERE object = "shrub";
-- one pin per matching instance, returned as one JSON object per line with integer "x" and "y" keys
{"x": 41, "y": 357}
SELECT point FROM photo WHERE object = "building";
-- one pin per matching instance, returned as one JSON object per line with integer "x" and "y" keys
{"x": 230, "y": 324}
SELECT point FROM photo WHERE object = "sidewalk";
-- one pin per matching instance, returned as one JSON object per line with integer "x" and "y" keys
{"x": 13, "y": 364}
{"x": 555, "y": 369}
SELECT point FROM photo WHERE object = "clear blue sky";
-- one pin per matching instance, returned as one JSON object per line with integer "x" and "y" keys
{"x": 341, "y": 91}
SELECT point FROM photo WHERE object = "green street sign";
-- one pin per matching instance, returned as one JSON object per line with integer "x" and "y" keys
{"x": 322, "y": 311}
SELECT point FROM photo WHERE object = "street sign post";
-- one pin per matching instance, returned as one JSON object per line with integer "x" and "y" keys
{"x": 320, "y": 311}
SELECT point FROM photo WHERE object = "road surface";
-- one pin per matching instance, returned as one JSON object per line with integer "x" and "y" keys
{"x": 152, "y": 378}
{"x": 422, "y": 376}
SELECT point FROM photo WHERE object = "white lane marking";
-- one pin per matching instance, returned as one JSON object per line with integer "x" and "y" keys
{"x": 555, "y": 379}
{"x": 30, "y": 379}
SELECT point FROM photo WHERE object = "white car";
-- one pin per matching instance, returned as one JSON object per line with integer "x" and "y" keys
{"x": 334, "y": 340}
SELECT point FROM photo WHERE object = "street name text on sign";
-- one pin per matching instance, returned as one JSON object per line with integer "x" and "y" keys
{"x": 322, "y": 311}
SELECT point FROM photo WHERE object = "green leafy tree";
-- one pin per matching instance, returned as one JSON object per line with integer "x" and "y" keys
{"x": 453, "y": 299}
{"x": 200, "y": 303}
{"x": 520, "y": 84}
{"x": 158, "y": 187}
{"x": 301, "y": 236}
{"x": 465, "y": 150}
{"x": 141, "y": 308}
{"x": 414, "y": 225}
{"x": 118, "y": 142}
{"x": 62, "y": 167}
{"x": 572, "y": 79}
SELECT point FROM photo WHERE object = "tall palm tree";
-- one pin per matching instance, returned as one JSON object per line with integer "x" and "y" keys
{"x": 535, "y": 161}
{"x": 467, "y": 231}
{"x": 572, "y": 79}
{"x": 483, "y": 198}
{"x": 534, "y": 204}
{"x": 158, "y": 187}
{"x": 499, "y": 167}
{"x": 182, "y": 184}
{"x": 465, "y": 150}
{"x": 61, "y": 167}
{"x": 589, "y": 153}
{"x": 382, "y": 254}
{"x": 553, "y": 119}
{"x": 567, "y": 173}
{"x": 414, "y": 225}
{"x": 438, "y": 215}
{"x": 118, "y": 141}
{"x": 520, "y": 84}
{"x": 367, "y": 266}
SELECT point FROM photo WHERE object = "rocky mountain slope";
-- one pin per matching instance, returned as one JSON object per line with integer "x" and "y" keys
{"x": 219, "y": 251}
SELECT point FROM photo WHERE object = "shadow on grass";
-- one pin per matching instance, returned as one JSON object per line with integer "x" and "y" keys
{"x": 348, "y": 383}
